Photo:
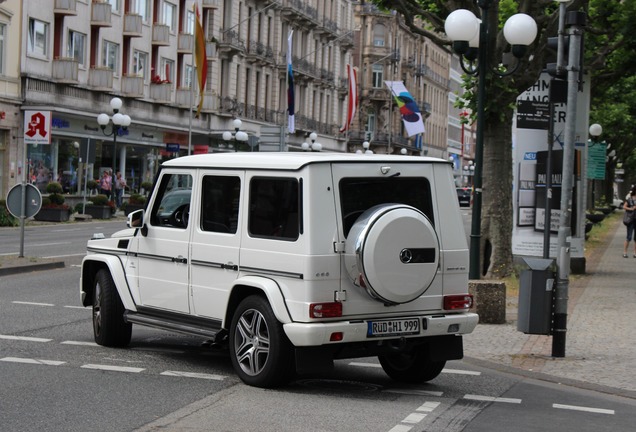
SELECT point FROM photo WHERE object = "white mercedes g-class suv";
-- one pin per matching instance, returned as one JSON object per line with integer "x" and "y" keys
{"x": 292, "y": 260}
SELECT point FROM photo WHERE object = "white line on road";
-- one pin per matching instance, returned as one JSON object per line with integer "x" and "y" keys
{"x": 414, "y": 418}
{"x": 461, "y": 372}
{"x": 193, "y": 375}
{"x": 415, "y": 392}
{"x": 491, "y": 399}
{"x": 81, "y": 343}
{"x": 67, "y": 229}
{"x": 112, "y": 368}
{"x": 401, "y": 428}
{"x": 586, "y": 409}
{"x": 33, "y": 303}
{"x": 9, "y": 253}
{"x": 64, "y": 256}
{"x": 371, "y": 365}
{"x": 77, "y": 307}
{"x": 24, "y": 338}
{"x": 428, "y": 407}
{"x": 32, "y": 361}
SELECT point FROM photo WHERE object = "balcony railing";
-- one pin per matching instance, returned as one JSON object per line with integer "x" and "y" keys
{"x": 132, "y": 25}
{"x": 132, "y": 85}
{"x": 185, "y": 43}
{"x": 161, "y": 92}
{"x": 161, "y": 34}
{"x": 101, "y": 78}
{"x": 65, "y": 70}
{"x": 101, "y": 14}
{"x": 65, "y": 7}
{"x": 210, "y": 102}
{"x": 210, "y": 50}
{"x": 211, "y": 3}
{"x": 184, "y": 96}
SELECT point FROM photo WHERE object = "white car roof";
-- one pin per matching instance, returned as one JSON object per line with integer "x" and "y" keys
{"x": 286, "y": 160}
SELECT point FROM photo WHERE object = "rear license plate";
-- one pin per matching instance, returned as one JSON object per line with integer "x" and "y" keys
{"x": 396, "y": 327}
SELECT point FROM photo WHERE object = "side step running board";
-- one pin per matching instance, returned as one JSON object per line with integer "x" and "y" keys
{"x": 209, "y": 331}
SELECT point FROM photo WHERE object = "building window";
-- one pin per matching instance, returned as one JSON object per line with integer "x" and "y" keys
{"x": 140, "y": 60}
{"x": 38, "y": 38}
{"x": 170, "y": 16}
{"x": 142, "y": 7}
{"x": 189, "y": 22}
{"x": 114, "y": 5}
{"x": 110, "y": 55}
{"x": 167, "y": 69}
{"x": 3, "y": 36}
{"x": 378, "y": 75}
{"x": 369, "y": 127}
{"x": 76, "y": 44}
{"x": 187, "y": 79}
{"x": 379, "y": 35}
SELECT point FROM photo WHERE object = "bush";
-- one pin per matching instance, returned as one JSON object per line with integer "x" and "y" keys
{"x": 54, "y": 188}
{"x": 147, "y": 187}
{"x": 55, "y": 198}
{"x": 6, "y": 218}
{"x": 79, "y": 208}
{"x": 91, "y": 184}
{"x": 137, "y": 199}
{"x": 100, "y": 199}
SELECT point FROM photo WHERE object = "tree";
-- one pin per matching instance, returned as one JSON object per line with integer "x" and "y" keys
{"x": 496, "y": 223}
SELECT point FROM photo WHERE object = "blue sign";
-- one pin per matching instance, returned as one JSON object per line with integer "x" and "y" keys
{"x": 172, "y": 147}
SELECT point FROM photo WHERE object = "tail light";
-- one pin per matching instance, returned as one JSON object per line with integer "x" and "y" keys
{"x": 455, "y": 302}
{"x": 325, "y": 310}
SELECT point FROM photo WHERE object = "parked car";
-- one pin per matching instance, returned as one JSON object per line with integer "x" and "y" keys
{"x": 464, "y": 196}
{"x": 292, "y": 260}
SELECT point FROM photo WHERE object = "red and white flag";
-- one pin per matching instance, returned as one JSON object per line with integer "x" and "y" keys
{"x": 352, "y": 106}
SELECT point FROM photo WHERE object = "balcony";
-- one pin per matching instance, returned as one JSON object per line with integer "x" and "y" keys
{"x": 231, "y": 44}
{"x": 301, "y": 12}
{"x": 65, "y": 70}
{"x": 376, "y": 94}
{"x": 161, "y": 34}
{"x": 183, "y": 97}
{"x": 185, "y": 43}
{"x": 101, "y": 14}
{"x": 101, "y": 78}
{"x": 211, "y": 4}
{"x": 210, "y": 50}
{"x": 210, "y": 102}
{"x": 161, "y": 92}
{"x": 132, "y": 86}
{"x": 65, "y": 7}
{"x": 132, "y": 25}
{"x": 259, "y": 53}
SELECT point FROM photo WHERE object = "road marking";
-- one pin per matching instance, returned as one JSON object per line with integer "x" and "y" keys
{"x": 32, "y": 361}
{"x": 64, "y": 256}
{"x": 9, "y": 253}
{"x": 112, "y": 368}
{"x": 33, "y": 303}
{"x": 415, "y": 417}
{"x": 586, "y": 409}
{"x": 81, "y": 343}
{"x": 491, "y": 399}
{"x": 48, "y": 244}
{"x": 401, "y": 428}
{"x": 193, "y": 375}
{"x": 428, "y": 406}
{"x": 461, "y": 372}
{"x": 77, "y": 307}
{"x": 415, "y": 392}
{"x": 66, "y": 229}
{"x": 24, "y": 338}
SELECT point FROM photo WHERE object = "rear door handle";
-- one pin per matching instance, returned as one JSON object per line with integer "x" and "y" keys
{"x": 229, "y": 267}
{"x": 180, "y": 260}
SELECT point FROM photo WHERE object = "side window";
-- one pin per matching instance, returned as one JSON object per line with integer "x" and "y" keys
{"x": 274, "y": 208}
{"x": 220, "y": 204}
{"x": 171, "y": 208}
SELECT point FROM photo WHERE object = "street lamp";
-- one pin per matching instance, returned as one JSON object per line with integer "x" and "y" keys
{"x": 470, "y": 38}
{"x": 120, "y": 123}
{"x": 595, "y": 131}
{"x": 237, "y": 135}
{"x": 314, "y": 146}
{"x": 366, "y": 146}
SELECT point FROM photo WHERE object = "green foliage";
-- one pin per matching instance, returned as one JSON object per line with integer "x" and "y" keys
{"x": 6, "y": 218}
{"x": 55, "y": 198}
{"x": 79, "y": 208}
{"x": 91, "y": 184}
{"x": 54, "y": 188}
{"x": 137, "y": 199}
{"x": 99, "y": 199}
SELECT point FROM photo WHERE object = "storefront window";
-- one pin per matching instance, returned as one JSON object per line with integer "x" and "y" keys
{"x": 54, "y": 162}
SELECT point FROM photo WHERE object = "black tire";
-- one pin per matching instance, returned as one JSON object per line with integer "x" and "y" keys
{"x": 259, "y": 349}
{"x": 109, "y": 326}
{"x": 411, "y": 367}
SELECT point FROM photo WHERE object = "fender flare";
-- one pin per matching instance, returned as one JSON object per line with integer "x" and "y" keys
{"x": 268, "y": 287}
{"x": 91, "y": 264}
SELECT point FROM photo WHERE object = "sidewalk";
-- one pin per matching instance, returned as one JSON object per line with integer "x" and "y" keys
{"x": 601, "y": 326}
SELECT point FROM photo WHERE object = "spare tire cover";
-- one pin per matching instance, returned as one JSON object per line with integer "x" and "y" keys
{"x": 395, "y": 248}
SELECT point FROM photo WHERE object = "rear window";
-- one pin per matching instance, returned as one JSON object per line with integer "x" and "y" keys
{"x": 360, "y": 194}
{"x": 274, "y": 208}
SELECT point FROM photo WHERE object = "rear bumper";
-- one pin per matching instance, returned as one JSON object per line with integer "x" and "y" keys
{"x": 317, "y": 334}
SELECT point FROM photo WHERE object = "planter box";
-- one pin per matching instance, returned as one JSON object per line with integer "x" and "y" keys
{"x": 98, "y": 212}
{"x": 132, "y": 207}
{"x": 53, "y": 215}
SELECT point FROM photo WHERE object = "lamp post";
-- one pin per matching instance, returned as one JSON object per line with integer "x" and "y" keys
{"x": 238, "y": 135}
{"x": 120, "y": 122}
{"x": 470, "y": 38}
{"x": 595, "y": 131}
{"x": 314, "y": 146}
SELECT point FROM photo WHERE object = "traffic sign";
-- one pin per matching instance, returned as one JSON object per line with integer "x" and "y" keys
{"x": 33, "y": 200}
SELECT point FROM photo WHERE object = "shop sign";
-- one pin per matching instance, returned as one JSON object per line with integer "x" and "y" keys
{"x": 172, "y": 147}
{"x": 37, "y": 127}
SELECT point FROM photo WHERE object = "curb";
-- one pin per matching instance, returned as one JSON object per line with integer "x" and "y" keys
{"x": 8, "y": 271}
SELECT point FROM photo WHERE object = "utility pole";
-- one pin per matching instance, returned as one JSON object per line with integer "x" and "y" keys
{"x": 576, "y": 22}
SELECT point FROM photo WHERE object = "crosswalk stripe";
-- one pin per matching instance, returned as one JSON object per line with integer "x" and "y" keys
{"x": 24, "y": 338}
{"x": 112, "y": 368}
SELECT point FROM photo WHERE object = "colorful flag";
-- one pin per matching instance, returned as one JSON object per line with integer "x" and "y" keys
{"x": 352, "y": 106}
{"x": 290, "y": 85}
{"x": 200, "y": 57}
{"x": 408, "y": 108}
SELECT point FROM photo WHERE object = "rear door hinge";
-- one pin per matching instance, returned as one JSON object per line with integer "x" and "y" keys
{"x": 338, "y": 247}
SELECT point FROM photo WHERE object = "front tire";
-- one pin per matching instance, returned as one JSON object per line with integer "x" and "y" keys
{"x": 109, "y": 326}
{"x": 259, "y": 349}
{"x": 411, "y": 367}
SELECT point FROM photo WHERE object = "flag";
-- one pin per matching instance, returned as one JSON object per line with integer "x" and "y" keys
{"x": 290, "y": 85}
{"x": 411, "y": 116}
{"x": 200, "y": 56}
{"x": 352, "y": 106}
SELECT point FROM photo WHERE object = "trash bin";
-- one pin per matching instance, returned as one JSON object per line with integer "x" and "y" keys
{"x": 536, "y": 285}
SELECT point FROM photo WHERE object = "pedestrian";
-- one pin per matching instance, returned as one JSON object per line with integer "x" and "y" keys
{"x": 106, "y": 184}
{"x": 630, "y": 206}
{"x": 120, "y": 185}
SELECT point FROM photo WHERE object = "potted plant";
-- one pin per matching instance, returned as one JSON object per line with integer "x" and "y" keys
{"x": 146, "y": 187}
{"x": 91, "y": 185}
{"x": 6, "y": 218}
{"x": 53, "y": 207}
{"x": 135, "y": 202}
{"x": 99, "y": 207}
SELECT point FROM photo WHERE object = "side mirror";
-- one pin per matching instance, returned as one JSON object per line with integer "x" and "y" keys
{"x": 135, "y": 219}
